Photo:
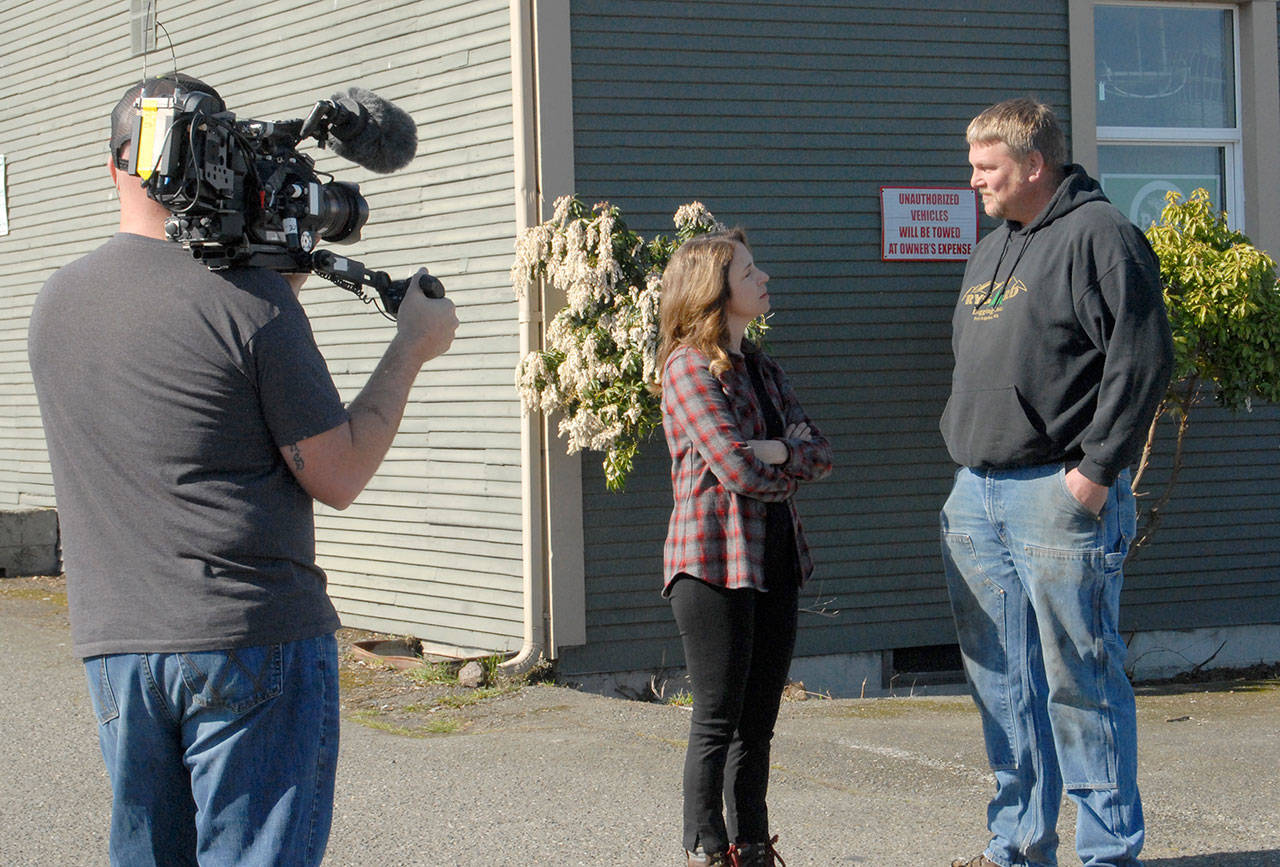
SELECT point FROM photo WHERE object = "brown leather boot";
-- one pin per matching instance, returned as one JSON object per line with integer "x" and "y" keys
{"x": 701, "y": 858}
{"x": 757, "y": 854}
{"x": 980, "y": 861}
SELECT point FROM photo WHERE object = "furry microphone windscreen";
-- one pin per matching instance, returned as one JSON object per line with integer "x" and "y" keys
{"x": 383, "y": 139}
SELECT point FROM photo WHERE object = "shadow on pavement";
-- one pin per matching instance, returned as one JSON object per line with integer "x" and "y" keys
{"x": 1257, "y": 678}
{"x": 1269, "y": 858}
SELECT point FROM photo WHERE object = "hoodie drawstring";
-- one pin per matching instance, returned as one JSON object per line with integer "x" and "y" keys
{"x": 991, "y": 287}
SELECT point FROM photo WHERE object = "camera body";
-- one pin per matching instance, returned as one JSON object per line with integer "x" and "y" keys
{"x": 240, "y": 193}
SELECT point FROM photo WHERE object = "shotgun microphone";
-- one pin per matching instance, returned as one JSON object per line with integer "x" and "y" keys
{"x": 371, "y": 132}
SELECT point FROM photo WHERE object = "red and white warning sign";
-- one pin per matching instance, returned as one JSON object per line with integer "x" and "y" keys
{"x": 928, "y": 223}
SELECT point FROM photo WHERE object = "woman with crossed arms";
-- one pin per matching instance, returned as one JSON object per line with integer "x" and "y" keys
{"x": 735, "y": 554}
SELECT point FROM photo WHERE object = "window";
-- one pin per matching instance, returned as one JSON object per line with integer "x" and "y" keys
{"x": 1167, "y": 105}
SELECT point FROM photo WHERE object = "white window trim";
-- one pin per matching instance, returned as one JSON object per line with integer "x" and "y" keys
{"x": 1253, "y": 166}
{"x": 1170, "y": 134}
{"x": 1229, "y": 139}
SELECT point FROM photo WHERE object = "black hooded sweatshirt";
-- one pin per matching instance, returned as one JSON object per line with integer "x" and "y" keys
{"x": 1061, "y": 341}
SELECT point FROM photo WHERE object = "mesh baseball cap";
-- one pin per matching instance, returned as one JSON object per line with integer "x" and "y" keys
{"x": 160, "y": 86}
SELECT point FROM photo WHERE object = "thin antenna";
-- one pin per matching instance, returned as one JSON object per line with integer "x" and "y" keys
{"x": 148, "y": 14}
{"x": 173, "y": 54}
{"x": 150, "y": 11}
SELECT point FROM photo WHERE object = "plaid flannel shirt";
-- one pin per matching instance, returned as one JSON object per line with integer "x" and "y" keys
{"x": 721, "y": 489}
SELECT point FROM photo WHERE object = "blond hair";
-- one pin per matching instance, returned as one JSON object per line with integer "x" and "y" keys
{"x": 1024, "y": 125}
{"x": 695, "y": 293}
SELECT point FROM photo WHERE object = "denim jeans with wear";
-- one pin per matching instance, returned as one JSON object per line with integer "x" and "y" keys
{"x": 219, "y": 758}
{"x": 1034, "y": 579}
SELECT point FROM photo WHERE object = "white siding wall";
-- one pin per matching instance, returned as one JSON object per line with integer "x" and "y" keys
{"x": 432, "y": 548}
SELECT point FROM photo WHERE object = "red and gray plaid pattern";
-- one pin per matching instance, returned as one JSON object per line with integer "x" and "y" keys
{"x": 720, "y": 488}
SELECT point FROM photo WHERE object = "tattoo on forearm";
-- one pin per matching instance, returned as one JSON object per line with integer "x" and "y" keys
{"x": 296, "y": 454}
{"x": 381, "y": 416}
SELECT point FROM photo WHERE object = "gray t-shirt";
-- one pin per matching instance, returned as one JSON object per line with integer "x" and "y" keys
{"x": 166, "y": 392}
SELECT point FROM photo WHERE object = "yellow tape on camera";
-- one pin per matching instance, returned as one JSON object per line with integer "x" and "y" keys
{"x": 154, "y": 120}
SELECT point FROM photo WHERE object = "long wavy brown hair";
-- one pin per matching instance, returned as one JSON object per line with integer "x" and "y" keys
{"x": 695, "y": 293}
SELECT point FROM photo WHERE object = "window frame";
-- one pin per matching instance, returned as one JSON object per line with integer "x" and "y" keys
{"x": 1252, "y": 165}
{"x": 1229, "y": 139}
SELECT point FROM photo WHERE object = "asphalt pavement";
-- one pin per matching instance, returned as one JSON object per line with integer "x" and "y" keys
{"x": 561, "y": 777}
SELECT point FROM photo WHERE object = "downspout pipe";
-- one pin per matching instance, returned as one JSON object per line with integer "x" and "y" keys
{"x": 532, "y": 441}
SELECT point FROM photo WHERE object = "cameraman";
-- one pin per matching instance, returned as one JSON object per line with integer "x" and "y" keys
{"x": 191, "y": 421}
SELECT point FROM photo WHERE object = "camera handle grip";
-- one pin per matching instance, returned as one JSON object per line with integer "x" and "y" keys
{"x": 396, "y": 290}
{"x": 352, "y": 276}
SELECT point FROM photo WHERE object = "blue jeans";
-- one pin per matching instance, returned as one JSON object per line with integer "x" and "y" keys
{"x": 219, "y": 758}
{"x": 1034, "y": 579}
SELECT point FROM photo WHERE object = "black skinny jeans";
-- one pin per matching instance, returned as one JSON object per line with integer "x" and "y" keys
{"x": 737, "y": 646}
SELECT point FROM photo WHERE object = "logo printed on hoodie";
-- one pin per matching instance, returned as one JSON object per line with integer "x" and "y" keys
{"x": 986, "y": 301}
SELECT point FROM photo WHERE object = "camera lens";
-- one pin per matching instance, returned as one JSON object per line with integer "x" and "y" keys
{"x": 343, "y": 212}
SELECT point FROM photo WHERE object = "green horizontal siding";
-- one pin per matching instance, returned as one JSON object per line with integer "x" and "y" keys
{"x": 787, "y": 118}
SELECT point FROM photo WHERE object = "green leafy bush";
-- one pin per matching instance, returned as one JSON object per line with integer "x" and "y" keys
{"x": 1224, "y": 309}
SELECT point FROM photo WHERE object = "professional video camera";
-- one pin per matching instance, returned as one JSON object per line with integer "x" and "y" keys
{"x": 240, "y": 193}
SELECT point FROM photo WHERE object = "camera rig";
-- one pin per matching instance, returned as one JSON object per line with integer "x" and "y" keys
{"x": 239, "y": 192}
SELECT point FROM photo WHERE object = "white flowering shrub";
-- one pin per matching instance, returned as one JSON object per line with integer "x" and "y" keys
{"x": 600, "y": 355}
